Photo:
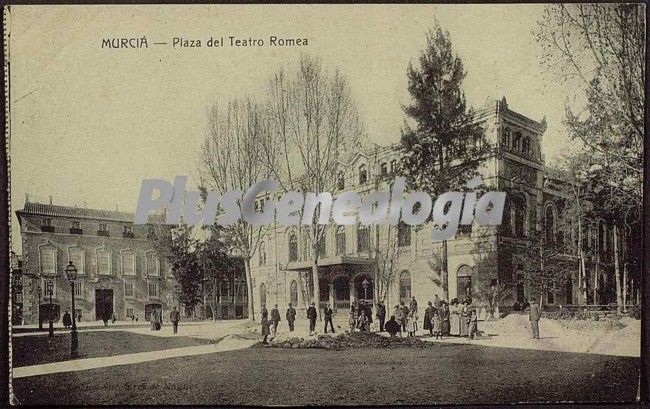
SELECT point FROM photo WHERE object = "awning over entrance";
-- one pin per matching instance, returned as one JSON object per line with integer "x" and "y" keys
{"x": 329, "y": 261}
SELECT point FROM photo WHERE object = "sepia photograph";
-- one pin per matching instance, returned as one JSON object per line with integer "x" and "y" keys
{"x": 332, "y": 204}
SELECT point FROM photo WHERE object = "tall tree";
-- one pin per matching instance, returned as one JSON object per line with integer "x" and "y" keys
{"x": 315, "y": 128}
{"x": 442, "y": 143}
{"x": 229, "y": 163}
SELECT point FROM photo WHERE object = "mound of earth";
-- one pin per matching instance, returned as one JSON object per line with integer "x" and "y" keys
{"x": 352, "y": 340}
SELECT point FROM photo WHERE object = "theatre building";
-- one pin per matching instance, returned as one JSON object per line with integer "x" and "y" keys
{"x": 119, "y": 271}
{"x": 392, "y": 263}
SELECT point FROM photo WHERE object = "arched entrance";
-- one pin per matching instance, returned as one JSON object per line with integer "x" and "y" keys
{"x": 341, "y": 293}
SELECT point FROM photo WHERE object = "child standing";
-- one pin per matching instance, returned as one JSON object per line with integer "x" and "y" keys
{"x": 412, "y": 324}
{"x": 473, "y": 321}
{"x": 436, "y": 324}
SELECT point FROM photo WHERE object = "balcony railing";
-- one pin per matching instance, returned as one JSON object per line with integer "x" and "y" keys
{"x": 76, "y": 231}
{"x": 103, "y": 233}
{"x": 48, "y": 229}
{"x": 128, "y": 235}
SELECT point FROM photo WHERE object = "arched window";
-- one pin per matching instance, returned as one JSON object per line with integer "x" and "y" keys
{"x": 403, "y": 235}
{"x": 293, "y": 293}
{"x": 550, "y": 224}
{"x": 506, "y": 137}
{"x": 525, "y": 145}
{"x": 363, "y": 175}
{"x": 383, "y": 169}
{"x": 520, "y": 211}
{"x": 405, "y": 286}
{"x": 262, "y": 295}
{"x": 464, "y": 282}
{"x": 293, "y": 248}
{"x": 362, "y": 238}
{"x": 340, "y": 181}
{"x": 322, "y": 246}
{"x": 516, "y": 141}
{"x": 340, "y": 240}
{"x": 262, "y": 254}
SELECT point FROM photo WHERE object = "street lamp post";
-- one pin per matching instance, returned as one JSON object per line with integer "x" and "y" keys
{"x": 364, "y": 284}
{"x": 71, "y": 275}
{"x": 39, "y": 292}
{"x": 51, "y": 317}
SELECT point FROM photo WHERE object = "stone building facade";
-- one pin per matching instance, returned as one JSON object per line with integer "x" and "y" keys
{"x": 392, "y": 263}
{"x": 119, "y": 271}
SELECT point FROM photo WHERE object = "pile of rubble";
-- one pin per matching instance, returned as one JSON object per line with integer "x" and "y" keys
{"x": 350, "y": 340}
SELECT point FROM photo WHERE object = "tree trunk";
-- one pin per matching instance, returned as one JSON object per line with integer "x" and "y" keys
{"x": 625, "y": 287}
{"x": 617, "y": 272}
{"x": 445, "y": 272}
{"x": 316, "y": 295}
{"x": 249, "y": 285}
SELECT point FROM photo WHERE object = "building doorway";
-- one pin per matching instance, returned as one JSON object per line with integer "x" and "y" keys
{"x": 149, "y": 308}
{"x": 341, "y": 293}
{"x": 103, "y": 304}
{"x": 464, "y": 283}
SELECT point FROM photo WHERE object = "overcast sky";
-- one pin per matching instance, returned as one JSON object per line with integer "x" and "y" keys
{"x": 88, "y": 124}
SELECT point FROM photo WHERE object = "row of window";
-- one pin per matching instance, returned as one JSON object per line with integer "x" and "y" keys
{"x": 362, "y": 173}
{"x": 517, "y": 141}
{"x": 363, "y": 242}
{"x": 49, "y": 288}
{"x": 48, "y": 261}
{"x": 75, "y": 228}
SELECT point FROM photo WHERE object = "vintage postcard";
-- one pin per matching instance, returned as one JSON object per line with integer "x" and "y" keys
{"x": 325, "y": 204}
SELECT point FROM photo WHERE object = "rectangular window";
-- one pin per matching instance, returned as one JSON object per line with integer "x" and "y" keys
{"x": 77, "y": 256}
{"x": 49, "y": 289}
{"x": 128, "y": 290}
{"x": 48, "y": 260}
{"x": 103, "y": 262}
{"x": 153, "y": 289}
{"x": 103, "y": 227}
{"x": 128, "y": 263}
{"x": 127, "y": 232}
{"x": 78, "y": 289}
{"x": 75, "y": 225}
{"x": 153, "y": 265}
{"x": 46, "y": 222}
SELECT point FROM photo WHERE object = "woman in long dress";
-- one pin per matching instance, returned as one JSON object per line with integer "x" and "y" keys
{"x": 454, "y": 319}
{"x": 444, "y": 318}
{"x": 464, "y": 319}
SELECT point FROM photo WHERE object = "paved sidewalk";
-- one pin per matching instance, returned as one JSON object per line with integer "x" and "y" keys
{"x": 230, "y": 343}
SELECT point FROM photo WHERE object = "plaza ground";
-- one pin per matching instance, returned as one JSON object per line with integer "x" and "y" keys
{"x": 208, "y": 364}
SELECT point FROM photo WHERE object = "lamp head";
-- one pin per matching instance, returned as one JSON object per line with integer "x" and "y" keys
{"x": 71, "y": 272}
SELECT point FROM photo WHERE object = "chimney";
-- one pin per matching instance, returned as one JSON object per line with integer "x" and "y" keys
{"x": 26, "y": 197}
{"x": 50, "y": 199}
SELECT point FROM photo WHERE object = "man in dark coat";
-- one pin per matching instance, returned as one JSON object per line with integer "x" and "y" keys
{"x": 67, "y": 320}
{"x": 392, "y": 327}
{"x": 381, "y": 315}
{"x": 428, "y": 314}
{"x": 291, "y": 316}
{"x": 275, "y": 317}
{"x": 534, "y": 314}
{"x": 312, "y": 315}
{"x": 327, "y": 313}
{"x": 174, "y": 317}
{"x": 413, "y": 305}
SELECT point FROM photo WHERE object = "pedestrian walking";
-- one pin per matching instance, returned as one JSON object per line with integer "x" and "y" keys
{"x": 67, "y": 320}
{"x": 381, "y": 315}
{"x": 266, "y": 326}
{"x": 327, "y": 313}
{"x": 174, "y": 317}
{"x": 291, "y": 316}
{"x": 275, "y": 318}
{"x": 534, "y": 314}
{"x": 312, "y": 315}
